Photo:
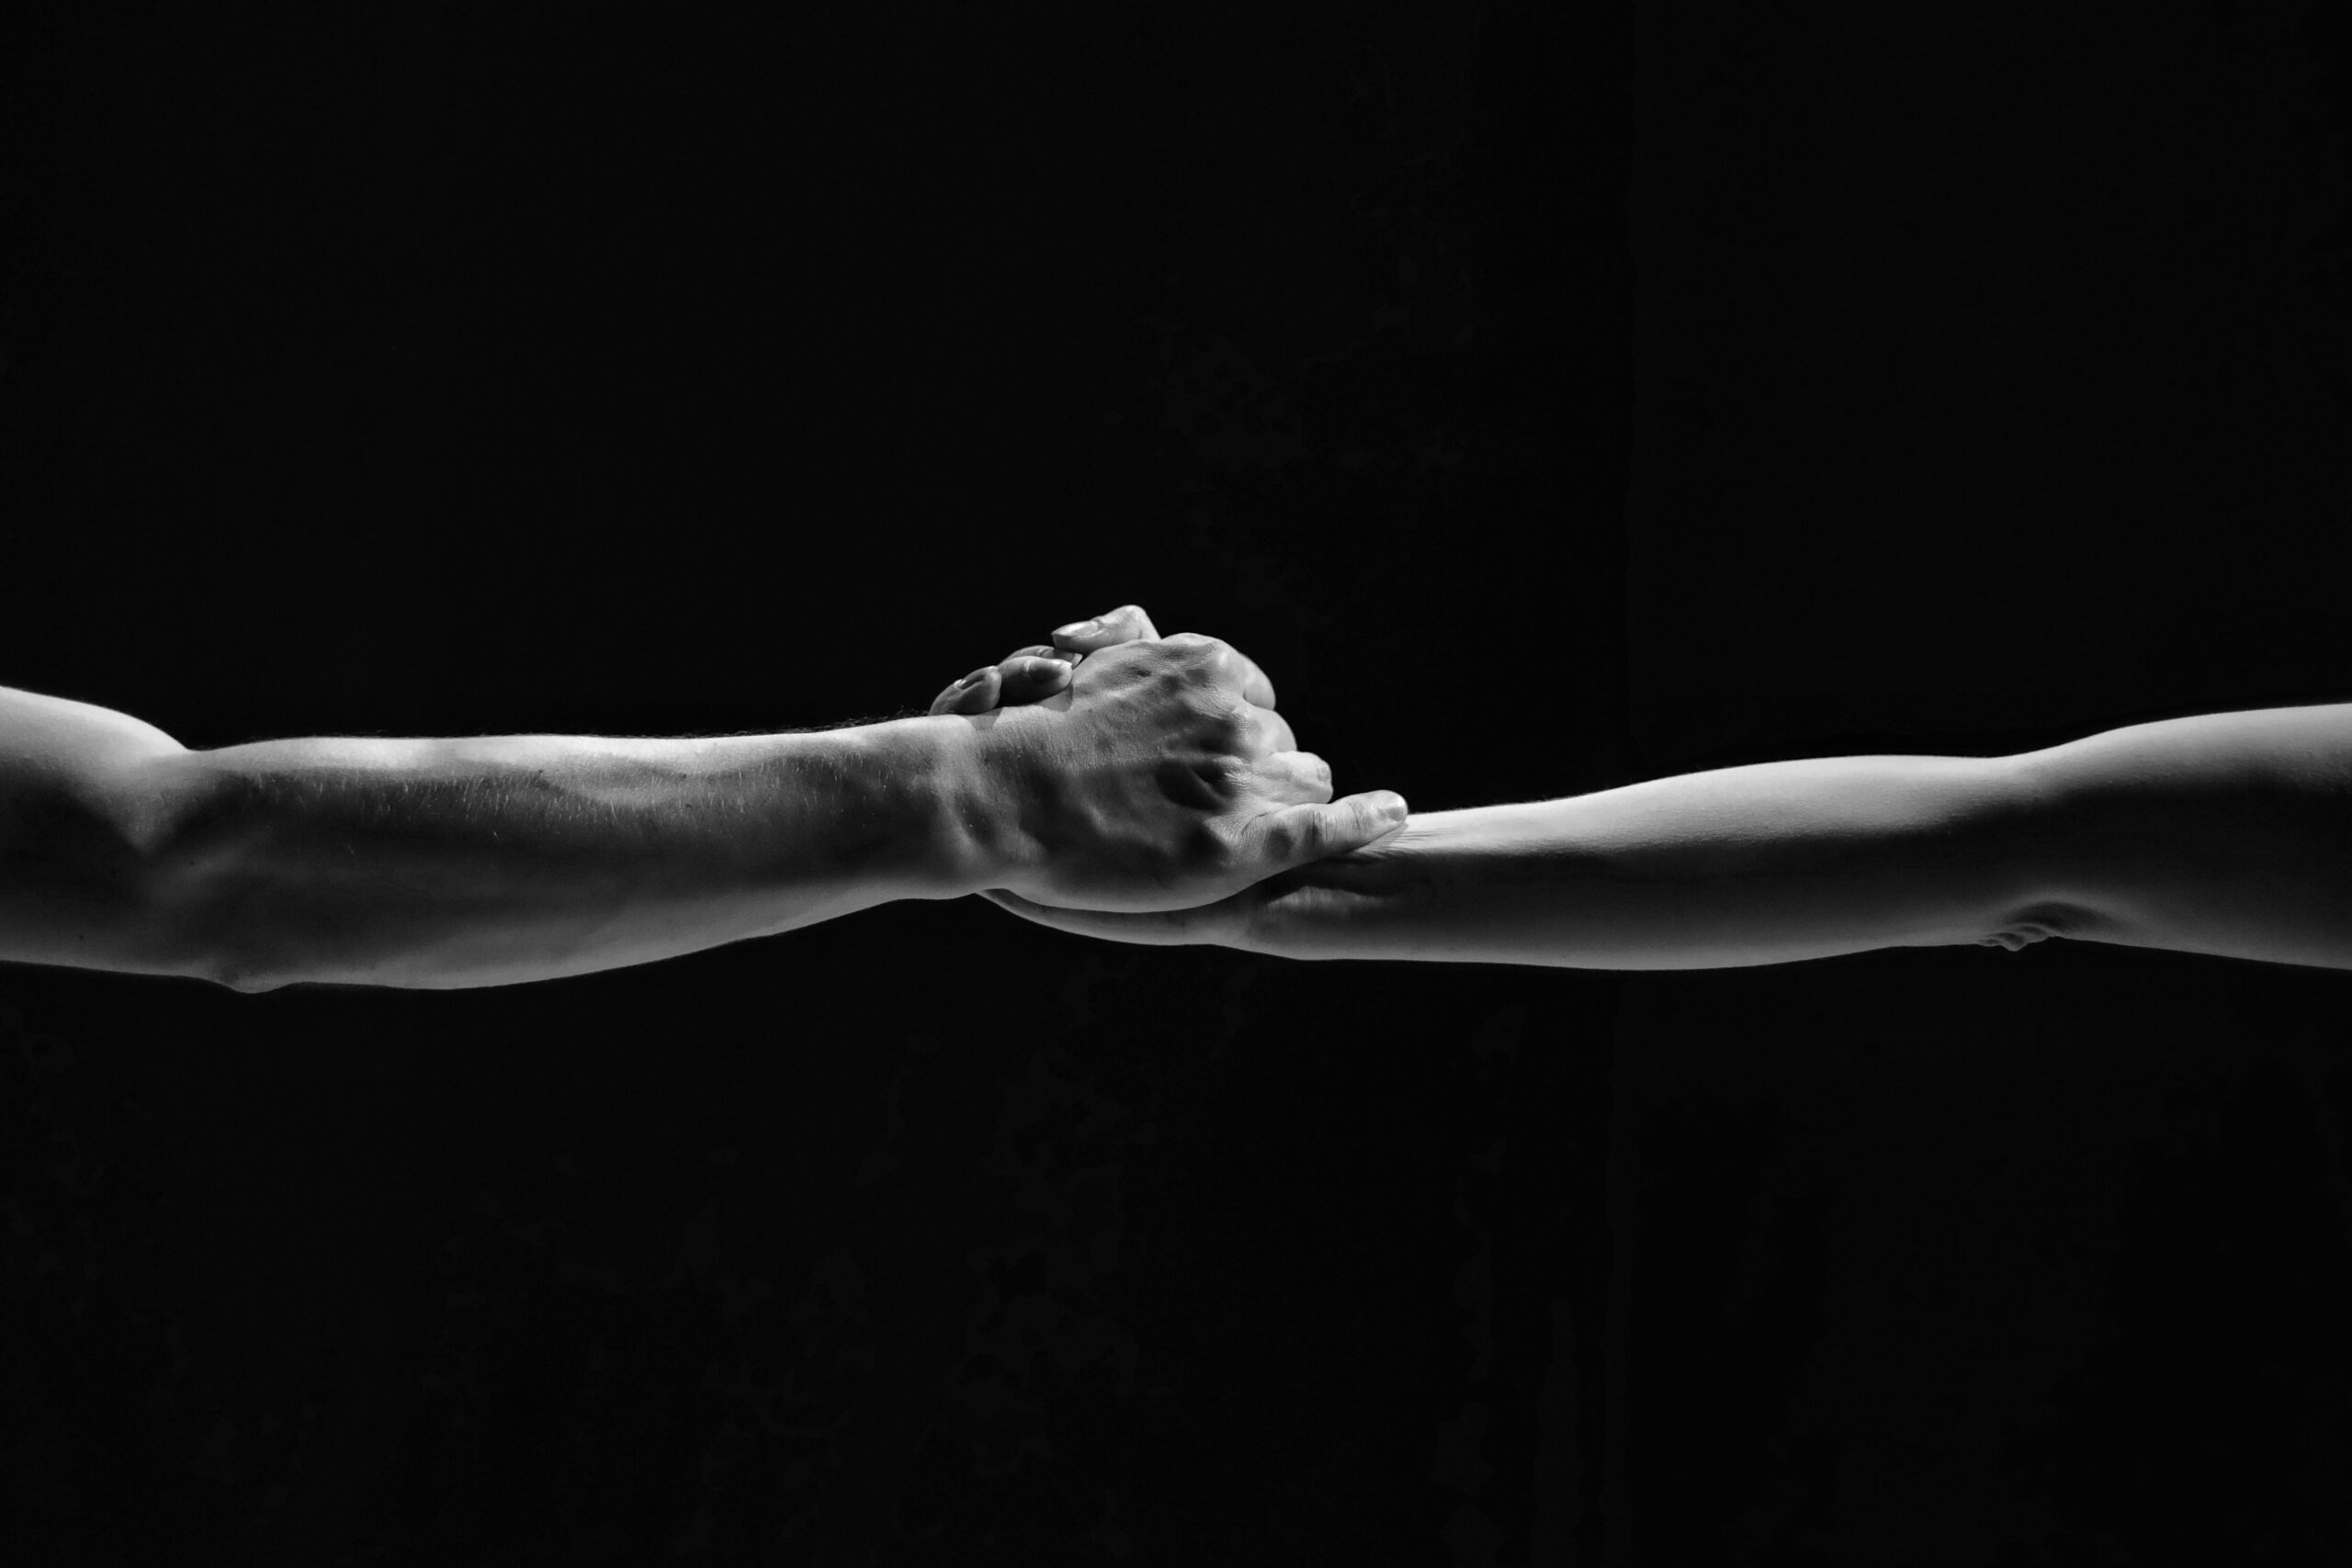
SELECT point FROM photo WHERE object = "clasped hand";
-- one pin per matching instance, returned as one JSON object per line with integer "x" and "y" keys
{"x": 1157, "y": 792}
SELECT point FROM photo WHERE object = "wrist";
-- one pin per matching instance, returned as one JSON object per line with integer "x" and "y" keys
{"x": 974, "y": 837}
{"x": 1349, "y": 906}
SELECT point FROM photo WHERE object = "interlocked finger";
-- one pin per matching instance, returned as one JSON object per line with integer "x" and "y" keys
{"x": 1022, "y": 682}
{"x": 1295, "y": 778}
{"x": 1256, "y": 689}
{"x": 1273, "y": 732}
{"x": 1130, "y": 624}
{"x": 975, "y": 693}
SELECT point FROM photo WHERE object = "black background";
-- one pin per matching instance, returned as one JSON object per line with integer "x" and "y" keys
{"x": 1549, "y": 397}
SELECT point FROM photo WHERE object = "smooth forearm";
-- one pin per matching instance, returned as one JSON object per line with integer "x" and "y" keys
{"x": 1769, "y": 863}
{"x": 444, "y": 863}
{"x": 2225, "y": 833}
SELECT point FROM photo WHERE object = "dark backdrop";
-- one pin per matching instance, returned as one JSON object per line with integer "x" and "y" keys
{"x": 1550, "y": 397}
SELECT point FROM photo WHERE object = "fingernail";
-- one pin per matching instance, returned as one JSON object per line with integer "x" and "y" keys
{"x": 973, "y": 679}
{"x": 1079, "y": 628}
{"x": 1047, "y": 669}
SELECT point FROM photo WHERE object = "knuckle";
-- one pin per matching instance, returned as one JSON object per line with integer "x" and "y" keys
{"x": 1285, "y": 837}
{"x": 1225, "y": 718}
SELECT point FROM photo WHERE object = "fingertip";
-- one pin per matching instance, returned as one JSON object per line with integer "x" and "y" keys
{"x": 978, "y": 696}
{"x": 1129, "y": 623}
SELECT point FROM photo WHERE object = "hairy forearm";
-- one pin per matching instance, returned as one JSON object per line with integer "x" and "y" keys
{"x": 445, "y": 864}
{"x": 1769, "y": 863}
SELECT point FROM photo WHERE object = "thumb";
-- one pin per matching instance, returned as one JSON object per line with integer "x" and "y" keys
{"x": 1300, "y": 834}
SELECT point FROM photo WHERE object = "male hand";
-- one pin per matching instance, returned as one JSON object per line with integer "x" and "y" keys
{"x": 1042, "y": 670}
{"x": 1153, "y": 775}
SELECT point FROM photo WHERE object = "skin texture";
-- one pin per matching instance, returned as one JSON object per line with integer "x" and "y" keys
{"x": 1042, "y": 670}
{"x": 1155, "y": 777}
{"x": 2222, "y": 834}
{"x": 1039, "y": 673}
{"x": 1148, "y": 783}
{"x": 1152, "y": 781}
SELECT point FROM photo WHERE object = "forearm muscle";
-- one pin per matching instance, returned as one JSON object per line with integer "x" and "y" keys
{"x": 444, "y": 864}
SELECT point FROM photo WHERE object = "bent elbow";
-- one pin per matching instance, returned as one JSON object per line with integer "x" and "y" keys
{"x": 2212, "y": 836}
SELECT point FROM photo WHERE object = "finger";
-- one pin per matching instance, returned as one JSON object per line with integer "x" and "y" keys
{"x": 1043, "y": 651}
{"x": 1127, "y": 624}
{"x": 1130, "y": 624}
{"x": 1273, "y": 733}
{"x": 1166, "y": 928}
{"x": 1239, "y": 667}
{"x": 1017, "y": 680}
{"x": 1230, "y": 664}
{"x": 1299, "y": 834}
{"x": 1034, "y": 673}
{"x": 975, "y": 693}
{"x": 1255, "y": 687}
{"x": 1295, "y": 778}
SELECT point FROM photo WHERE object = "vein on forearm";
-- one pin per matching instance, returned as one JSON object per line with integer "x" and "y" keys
{"x": 490, "y": 860}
